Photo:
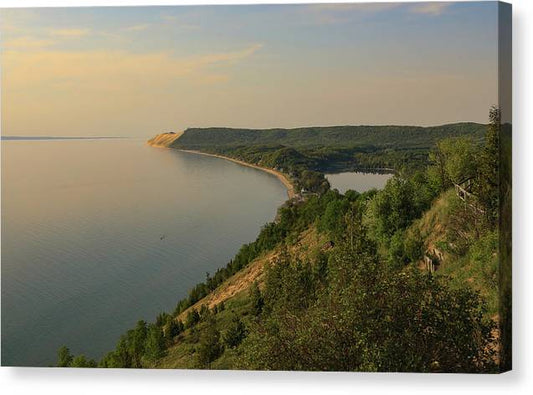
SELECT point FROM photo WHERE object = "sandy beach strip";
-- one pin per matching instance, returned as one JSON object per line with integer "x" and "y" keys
{"x": 282, "y": 177}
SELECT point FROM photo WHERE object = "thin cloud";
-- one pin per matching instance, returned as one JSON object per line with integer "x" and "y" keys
{"x": 136, "y": 28}
{"x": 69, "y": 32}
{"x": 178, "y": 22}
{"x": 429, "y": 8}
{"x": 363, "y": 7}
{"x": 6, "y": 27}
{"x": 21, "y": 43}
{"x": 169, "y": 18}
{"x": 345, "y": 12}
{"x": 78, "y": 84}
{"x": 229, "y": 56}
{"x": 327, "y": 14}
{"x": 119, "y": 69}
{"x": 189, "y": 26}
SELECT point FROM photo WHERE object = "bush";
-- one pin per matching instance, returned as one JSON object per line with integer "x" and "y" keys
{"x": 414, "y": 245}
{"x": 371, "y": 318}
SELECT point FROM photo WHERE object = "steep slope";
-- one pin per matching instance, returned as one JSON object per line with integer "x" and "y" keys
{"x": 164, "y": 140}
{"x": 461, "y": 246}
{"x": 231, "y": 300}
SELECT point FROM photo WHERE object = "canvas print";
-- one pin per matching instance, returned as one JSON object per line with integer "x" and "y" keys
{"x": 312, "y": 187}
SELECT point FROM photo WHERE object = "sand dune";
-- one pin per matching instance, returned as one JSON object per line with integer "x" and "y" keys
{"x": 164, "y": 140}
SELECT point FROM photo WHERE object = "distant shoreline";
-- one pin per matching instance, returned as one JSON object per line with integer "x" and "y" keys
{"x": 285, "y": 181}
{"x": 372, "y": 170}
{"x": 46, "y": 138}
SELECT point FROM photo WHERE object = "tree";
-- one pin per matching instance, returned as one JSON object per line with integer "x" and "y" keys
{"x": 82, "y": 362}
{"x": 437, "y": 170}
{"x": 155, "y": 343}
{"x": 413, "y": 244}
{"x": 397, "y": 254}
{"x": 210, "y": 347}
{"x": 355, "y": 233}
{"x": 64, "y": 357}
{"x": 235, "y": 333}
{"x": 331, "y": 221}
{"x": 204, "y": 311}
{"x": 121, "y": 357}
{"x": 192, "y": 318}
{"x": 373, "y": 318}
{"x": 456, "y": 160}
{"x": 137, "y": 340}
{"x": 487, "y": 187}
{"x": 173, "y": 328}
{"x": 393, "y": 208}
{"x": 162, "y": 319}
{"x": 256, "y": 299}
{"x": 110, "y": 360}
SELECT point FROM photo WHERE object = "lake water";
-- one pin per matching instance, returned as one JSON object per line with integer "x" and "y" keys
{"x": 357, "y": 181}
{"x": 97, "y": 234}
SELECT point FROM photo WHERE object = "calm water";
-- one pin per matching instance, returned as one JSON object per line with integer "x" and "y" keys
{"x": 82, "y": 222}
{"x": 357, "y": 181}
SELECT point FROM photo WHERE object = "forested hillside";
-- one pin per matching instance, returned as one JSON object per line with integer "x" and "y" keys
{"x": 332, "y": 148}
{"x": 401, "y": 279}
{"x": 396, "y": 137}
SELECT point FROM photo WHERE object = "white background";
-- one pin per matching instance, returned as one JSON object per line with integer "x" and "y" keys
{"x": 519, "y": 381}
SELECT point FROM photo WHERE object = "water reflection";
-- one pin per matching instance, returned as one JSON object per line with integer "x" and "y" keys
{"x": 358, "y": 181}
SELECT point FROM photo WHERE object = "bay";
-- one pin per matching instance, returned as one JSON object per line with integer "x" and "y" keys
{"x": 100, "y": 233}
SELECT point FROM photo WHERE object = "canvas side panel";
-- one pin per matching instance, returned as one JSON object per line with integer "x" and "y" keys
{"x": 505, "y": 105}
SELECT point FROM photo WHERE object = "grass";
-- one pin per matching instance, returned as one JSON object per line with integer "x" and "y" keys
{"x": 477, "y": 266}
{"x": 478, "y": 269}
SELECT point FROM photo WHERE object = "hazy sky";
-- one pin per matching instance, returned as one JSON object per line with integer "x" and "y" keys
{"x": 138, "y": 71}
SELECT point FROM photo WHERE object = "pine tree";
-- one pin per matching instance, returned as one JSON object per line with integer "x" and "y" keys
{"x": 64, "y": 357}
{"x": 192, "y": 318}
{"x": 488, "y": 180}
{"x": 210, "y": 347}
{"x": 236, "y": 333}
{"x": 256, "y": 299}
{"x": 155, "y": 343}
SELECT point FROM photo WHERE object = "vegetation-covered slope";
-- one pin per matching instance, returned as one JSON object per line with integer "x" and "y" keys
{"x": 396, "y": 137}
{"x": 341, "y": 282}
{"x": 333, "y": 148}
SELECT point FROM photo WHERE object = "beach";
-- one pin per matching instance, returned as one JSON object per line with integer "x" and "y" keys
{"x": 282, "y": 177}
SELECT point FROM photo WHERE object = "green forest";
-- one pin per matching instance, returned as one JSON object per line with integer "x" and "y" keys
{"x": 403, "y": 279}
{"x": 304, "y": 154}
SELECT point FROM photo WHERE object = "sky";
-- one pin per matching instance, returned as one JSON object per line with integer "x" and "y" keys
{"x": 138, "y": 71}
